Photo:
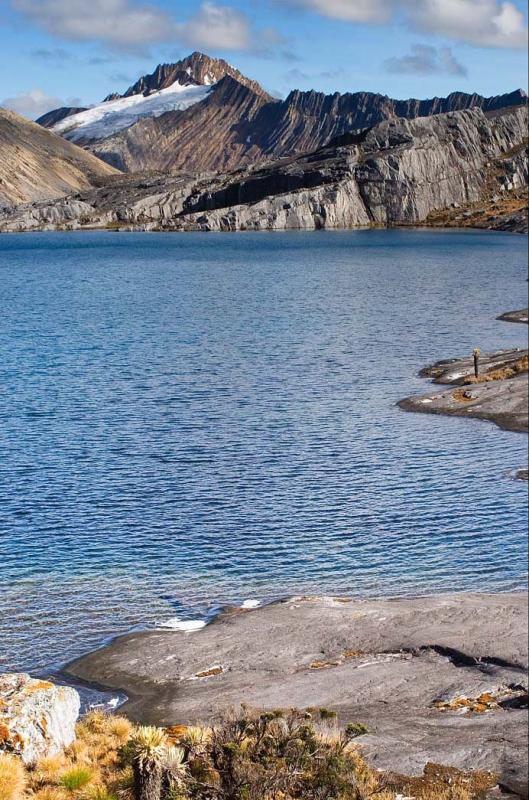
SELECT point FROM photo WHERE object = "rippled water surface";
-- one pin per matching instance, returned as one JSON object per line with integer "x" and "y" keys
{"x": 197, "y": 419}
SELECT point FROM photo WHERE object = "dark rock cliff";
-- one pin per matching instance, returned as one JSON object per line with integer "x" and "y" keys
{"x": 51, "y": 118}
{"x": 238, "y": 123}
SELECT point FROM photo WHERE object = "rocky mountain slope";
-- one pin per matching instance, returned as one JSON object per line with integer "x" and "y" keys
{"x": 396, "y": 173}
{"x": 197, "y": 69}
{"x": 36, "y": 164}
{"x": 228, "y": 120}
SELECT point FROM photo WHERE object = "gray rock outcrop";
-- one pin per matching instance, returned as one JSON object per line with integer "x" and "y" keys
{"x": 396, "y": 173}
{"x": 37, "y": 718}
{"x": 438, "y": 679}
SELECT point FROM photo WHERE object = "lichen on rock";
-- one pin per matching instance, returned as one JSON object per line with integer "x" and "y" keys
{"x": 37, "y": 718}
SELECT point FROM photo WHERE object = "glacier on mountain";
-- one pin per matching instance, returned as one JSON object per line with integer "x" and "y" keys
{"x": 112, "y": 116}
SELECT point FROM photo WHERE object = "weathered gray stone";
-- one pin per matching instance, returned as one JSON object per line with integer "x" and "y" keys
{"x": 398, "y": 172}
{"x": 390, "y": 664}
{"x": 37, "y": 718}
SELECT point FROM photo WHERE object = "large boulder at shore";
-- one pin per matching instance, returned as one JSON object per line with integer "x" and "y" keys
{"x": 37, "y": 718}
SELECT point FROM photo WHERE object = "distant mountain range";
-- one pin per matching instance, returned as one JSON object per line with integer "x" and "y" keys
{"x": 206, "y": 148}
{"x": 201, "y": 114}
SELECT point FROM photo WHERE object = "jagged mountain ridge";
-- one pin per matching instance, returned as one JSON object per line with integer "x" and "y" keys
{"x": 234, "y": 126}
{"x": 236, "y": 122}
{"x": 37, "y": 164}
{"x": 398, "y": 172}
{"x": 197, "y": 68}
{"x": 51, "y": 118}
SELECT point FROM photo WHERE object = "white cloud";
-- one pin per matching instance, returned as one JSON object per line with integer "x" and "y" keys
{"x": 217, "y": 26}
{"x": 119, "y": 23}
{"x": 34, "y": 104}
{"x": 425, "y": 60}
{"x": 481, "y": 22}
{"x": 485, "y": 23}
{"x": 130, "y": 27}
{"x": 350, "y": 10}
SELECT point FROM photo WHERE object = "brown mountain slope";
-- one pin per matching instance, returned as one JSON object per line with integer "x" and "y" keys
{"x": 400, "y": 172}
{"x": 212, "y": 135}
{"x": 36, "y": 164}
{"x": 235, "y": 125}
{"x": 234, "y": 122}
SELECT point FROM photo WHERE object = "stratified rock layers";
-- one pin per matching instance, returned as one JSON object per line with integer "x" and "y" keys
{"x": 36, "y": 164}
{"x": 239, "y": 124}
{"x": 396, "y": 173}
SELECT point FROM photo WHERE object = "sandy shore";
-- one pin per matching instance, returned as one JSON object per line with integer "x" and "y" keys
{"x": 398, "y": 666}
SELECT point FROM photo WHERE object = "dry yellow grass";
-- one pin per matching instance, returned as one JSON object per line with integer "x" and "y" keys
{"x": 501, "y": 374}
{"x": 93, "y": 768}
{"x": 89, "y": 769}
{"x": 12, "y": 777}
{"x": 443, "y": 783}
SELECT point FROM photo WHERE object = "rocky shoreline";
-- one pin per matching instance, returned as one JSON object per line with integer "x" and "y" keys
{"x": 433, "y": 678}
{"x": 500, "y": 394}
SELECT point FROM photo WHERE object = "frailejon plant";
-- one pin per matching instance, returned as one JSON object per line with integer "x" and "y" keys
{"x": 148, "y": 749}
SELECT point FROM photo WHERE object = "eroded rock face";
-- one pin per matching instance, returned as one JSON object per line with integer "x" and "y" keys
{"x": 396, "y": 173}
{"x": 37, "y": 718}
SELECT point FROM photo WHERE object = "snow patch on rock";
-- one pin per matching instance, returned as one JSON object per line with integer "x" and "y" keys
{"x": 112, "y": 116}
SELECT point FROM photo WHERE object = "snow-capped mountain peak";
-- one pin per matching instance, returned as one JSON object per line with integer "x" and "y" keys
{"x": 170, "y": 87}
{"x": 111, "y": 116}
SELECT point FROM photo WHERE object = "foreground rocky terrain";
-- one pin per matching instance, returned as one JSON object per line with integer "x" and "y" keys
{"x": 36, "y": 164}
{"x": 397, "y": 173}
{"x": 235, "y": 122}
{"x": 434, "y": 679}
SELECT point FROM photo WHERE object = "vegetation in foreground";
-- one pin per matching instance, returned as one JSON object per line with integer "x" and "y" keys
{"x": 247, "y": 756}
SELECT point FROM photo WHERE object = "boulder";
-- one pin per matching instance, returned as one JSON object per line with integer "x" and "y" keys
{"x": 37, "y": 718}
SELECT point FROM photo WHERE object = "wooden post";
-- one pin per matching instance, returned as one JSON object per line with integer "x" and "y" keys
{"x": 476, "y": 353}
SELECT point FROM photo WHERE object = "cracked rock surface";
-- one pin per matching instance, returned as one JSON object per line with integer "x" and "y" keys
{"x": 434, "y": 679}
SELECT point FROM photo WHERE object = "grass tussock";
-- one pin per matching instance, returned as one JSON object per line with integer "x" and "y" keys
{"x": 502, "y": 373}
{"x": 12, "y": 777}
{"x": 249, "y": 755}
{"x": 443, "y": 783}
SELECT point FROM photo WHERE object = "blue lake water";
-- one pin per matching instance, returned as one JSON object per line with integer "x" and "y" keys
{"x": 189, "y": 420}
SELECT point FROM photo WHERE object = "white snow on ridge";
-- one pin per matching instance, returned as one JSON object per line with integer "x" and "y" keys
{"x": 107, "y": 118}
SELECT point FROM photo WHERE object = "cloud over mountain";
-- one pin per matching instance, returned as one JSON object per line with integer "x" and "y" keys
{"x": 35, "y": 103}
{"x": 425, "y": 60}
{"x": 129, "y": 27}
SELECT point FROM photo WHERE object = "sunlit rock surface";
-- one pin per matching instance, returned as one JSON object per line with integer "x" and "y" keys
{"x": 37, "y": 718}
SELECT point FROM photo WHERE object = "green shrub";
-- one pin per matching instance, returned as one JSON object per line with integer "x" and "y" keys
{"x": 354, "y": 729}
{"x": 76, "y": 778}
{"x": 253, "y": 756}
{"x": 326, "y": 713}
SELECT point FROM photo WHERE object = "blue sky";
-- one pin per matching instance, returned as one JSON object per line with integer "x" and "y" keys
{"x": 77, "y": 51}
